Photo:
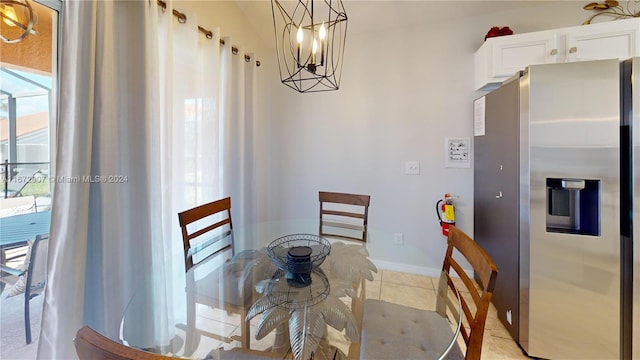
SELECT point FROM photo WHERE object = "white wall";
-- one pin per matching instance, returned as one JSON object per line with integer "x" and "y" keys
{"x": 403, "y": 92}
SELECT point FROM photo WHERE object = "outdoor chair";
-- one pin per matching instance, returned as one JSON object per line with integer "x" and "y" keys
{"x": 15, "y": 186}
{"x": 30, "y": 278}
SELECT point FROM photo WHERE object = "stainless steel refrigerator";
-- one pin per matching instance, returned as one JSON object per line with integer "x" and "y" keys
{"x": 556, "y": 150}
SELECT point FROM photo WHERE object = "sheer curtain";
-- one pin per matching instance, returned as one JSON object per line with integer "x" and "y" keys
{"x": 238, "y": 96}
{"x": 155, "y": 118}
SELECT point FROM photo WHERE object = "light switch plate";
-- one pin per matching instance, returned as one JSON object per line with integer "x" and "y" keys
{"x": 412, "y": 167}
{"x": 398, "y": 238}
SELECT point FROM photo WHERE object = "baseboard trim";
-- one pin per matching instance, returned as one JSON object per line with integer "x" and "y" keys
{"x": 412, "y": 269}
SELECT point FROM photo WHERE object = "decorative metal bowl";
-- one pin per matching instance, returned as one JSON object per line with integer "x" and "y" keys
{"x": 282, "y": 293}
{"x": 280, "y": 248}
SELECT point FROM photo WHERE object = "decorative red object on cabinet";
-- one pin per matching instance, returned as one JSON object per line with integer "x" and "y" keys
{"x": 498, "y": 31}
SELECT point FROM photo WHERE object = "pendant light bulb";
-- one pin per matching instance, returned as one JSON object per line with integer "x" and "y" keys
{"x": 314, "y": 47}
{"x": 323, "y": 32}
{"x": 300, "y": 35}
{"x": 9, "y": 15}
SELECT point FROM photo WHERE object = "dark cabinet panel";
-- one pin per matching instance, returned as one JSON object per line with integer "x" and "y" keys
{"x": 496, "y": 197}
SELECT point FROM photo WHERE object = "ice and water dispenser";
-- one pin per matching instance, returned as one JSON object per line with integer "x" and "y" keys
{"x": 573, "y": 206}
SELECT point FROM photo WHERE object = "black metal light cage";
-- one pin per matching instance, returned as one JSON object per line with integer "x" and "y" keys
{"x": 299, "y": 68}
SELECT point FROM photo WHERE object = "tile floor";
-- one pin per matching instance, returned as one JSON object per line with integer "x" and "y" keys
{"x": 401, "y": 288}
{"x": 416, "y": 290}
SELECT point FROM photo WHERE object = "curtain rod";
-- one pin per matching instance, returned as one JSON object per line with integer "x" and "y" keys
{"x": 182, "y": 18}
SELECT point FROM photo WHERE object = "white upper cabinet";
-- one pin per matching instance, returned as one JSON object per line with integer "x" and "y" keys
{"x": 499, "y": 58}
{"x": 613, "y": 39}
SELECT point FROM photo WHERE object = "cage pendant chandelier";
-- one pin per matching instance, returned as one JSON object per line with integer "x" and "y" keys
{"x": 310, "y": 38}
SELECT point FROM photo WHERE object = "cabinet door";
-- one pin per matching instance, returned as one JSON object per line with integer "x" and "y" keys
{"x": 610, "y": 40}
{"x": 500, "y": 58}
{"x": 514, "y": 53}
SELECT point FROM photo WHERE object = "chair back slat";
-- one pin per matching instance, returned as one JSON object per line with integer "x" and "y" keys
{"x": 202, "y": 227}
{"x": 468, "y": 283}
{"x": 21, "y": 179}
{"x": 343, "y": 213}
{"x": 474, "y": 299}
{"x": 208, "y": 228}
{"x": 344, "y": 216}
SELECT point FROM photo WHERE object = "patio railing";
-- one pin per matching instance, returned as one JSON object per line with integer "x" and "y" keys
{"x": 11, "y": 170}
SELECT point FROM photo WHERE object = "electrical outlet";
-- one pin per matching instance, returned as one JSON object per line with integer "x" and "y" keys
{"x": 398, "y": 238}
{"x": 412, "y": 167}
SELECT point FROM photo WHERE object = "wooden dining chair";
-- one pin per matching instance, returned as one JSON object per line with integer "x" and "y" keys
{"x": 344, "y": 216}
{"x": 28, "y": 279}
{"x": 91, "y": 345}
{"x": 395, "y": 331}
{"x": 207, "y": 234}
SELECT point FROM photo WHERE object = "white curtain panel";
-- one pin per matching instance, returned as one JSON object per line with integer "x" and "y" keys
{"x": 160, "y": 118}
{"x": 237, "y": 113}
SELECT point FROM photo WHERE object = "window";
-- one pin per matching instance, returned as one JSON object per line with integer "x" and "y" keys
{"x": 28, "y": 110}
{"x": 27, "y": 94}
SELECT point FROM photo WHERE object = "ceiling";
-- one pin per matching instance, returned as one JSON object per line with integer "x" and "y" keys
{"x": 367, "y": 16}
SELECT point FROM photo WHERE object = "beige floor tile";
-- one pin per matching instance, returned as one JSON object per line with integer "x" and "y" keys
{"x": 459, "y": 284}
{"x": 217, "y": 315}
{"x": 373, "y": 290}
{"x": 497, "y": 347}
{"x": 213, "y": 326}
{"x": 338, "y": 339}
{"x": 263, "y": 344}
{"x": 377, "y": 276}
{"x": 416, "y": 297}
{"x": 407, "y": 279}
{"x": 205, "y": 346}
{"x": 495, "y": 325}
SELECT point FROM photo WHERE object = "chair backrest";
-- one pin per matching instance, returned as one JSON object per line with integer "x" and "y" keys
{"x": 207, "y": 230}
{"x": 343, "y": 215}
{"x": 37, "y": 269}
{"x": 90, "y": 345}
{"x": 21, "y": 179}
{"x": 474, "y": 298}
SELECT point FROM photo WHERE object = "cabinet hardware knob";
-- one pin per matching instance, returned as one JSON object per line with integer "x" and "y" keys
{"x": 499, "y": 196}
{"x": 573, "y": 50}
{"x": 554, "y": 52}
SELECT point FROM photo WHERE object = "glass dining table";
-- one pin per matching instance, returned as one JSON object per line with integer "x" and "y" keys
{"x": 305, "y": 300}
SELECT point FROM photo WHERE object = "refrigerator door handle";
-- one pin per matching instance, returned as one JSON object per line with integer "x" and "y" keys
{"x": 572, "y": 184}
